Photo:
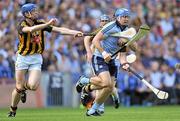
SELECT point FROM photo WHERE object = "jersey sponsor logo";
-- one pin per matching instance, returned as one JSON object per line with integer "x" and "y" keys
{"x": 36, "y": 37}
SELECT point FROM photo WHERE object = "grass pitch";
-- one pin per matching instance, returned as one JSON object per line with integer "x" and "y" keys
{"x": 160, "y": 113}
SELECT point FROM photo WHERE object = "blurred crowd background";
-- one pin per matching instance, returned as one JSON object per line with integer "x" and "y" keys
{"x": 159, "y": 51}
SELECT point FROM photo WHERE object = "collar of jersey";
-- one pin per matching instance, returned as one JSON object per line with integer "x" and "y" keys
{"x": 122, "y": 27}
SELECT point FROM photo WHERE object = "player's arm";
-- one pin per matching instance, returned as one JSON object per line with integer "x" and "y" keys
{"x": 123, "y": 61}
{"x": 96, "y": 42}
{"x": 133, "y": 46}
{"x": 67, "y": 31}
{"x": 122, "y": 57}
{"x": 87, "y": 44}
{"x": 38, "y": 27}
{"x": 99, "y": 36}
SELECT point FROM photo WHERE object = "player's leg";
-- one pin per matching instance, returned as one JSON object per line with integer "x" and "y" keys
{"x": 34, "y": 79}
{"x": 16, "y": 94}
{"x": 89, "y": 101}
{"x": 105, "y": 76}
{"x": 33, "y": 64}
{"x": 95, "y": 83}
{"x": 34, "y": 72}
{"x": 101, "y": 107}
{"x": 86, "y": 94}
{"x": 115, "y": 95}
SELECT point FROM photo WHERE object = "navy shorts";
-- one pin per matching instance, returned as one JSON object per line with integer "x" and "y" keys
{"x": 99, "y": 65}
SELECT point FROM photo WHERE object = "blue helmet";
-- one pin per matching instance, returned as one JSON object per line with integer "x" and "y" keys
{"x": 104, "y": 17}
{"x": 121, "y": 12}
{"x": 28, "y": 8}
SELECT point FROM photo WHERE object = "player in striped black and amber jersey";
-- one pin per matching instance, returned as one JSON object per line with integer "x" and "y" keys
{"x": 31, "y": 46}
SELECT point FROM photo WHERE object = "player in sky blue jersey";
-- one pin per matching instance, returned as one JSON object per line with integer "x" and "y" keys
{"x": 86, "y": 97}
{"x": 103, "y": 65}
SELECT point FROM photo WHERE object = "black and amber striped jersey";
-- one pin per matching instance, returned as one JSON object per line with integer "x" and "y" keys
{"x": 31, "y": 43}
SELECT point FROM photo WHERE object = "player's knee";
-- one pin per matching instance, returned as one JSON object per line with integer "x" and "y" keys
{"x": 33, "y": 87}
{"x": 108, "y": 90}
{"x": 19, "y": 85}
{"x": 19, "y": 89}
{"x": 107, "y": 83}
{"x": 110, "y": 87}
{"x": 104, "y": 85}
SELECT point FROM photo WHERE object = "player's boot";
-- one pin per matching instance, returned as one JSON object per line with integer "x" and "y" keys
{"x": 81, "y": 83}
{"x": 101, "y": 109}
{"x": 12, "y": 112}
{"x": 116, "y": 101}
{"x": 92, "y": 113}
{"x": 23, "y": 96}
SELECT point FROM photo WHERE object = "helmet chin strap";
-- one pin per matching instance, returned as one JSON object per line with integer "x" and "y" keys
{"x": 121, "y": 26}
{"x": 29, "y": 20}
{"x": 30, "y": 17}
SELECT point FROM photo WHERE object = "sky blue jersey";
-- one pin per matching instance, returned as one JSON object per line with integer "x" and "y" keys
{"x": 109, "y": 44}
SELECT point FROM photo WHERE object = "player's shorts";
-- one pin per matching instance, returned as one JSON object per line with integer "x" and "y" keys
{"x": 99, "y": 65}
{"x": 29, "y": 62}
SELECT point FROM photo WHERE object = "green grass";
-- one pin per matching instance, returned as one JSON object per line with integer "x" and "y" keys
{"x": 164, "y": 113}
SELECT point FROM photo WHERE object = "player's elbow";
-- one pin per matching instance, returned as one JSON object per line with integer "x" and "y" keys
{"x": 27, "y": 29}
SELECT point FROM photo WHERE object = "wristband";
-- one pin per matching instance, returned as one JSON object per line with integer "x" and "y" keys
{"x": 104, "y": 53}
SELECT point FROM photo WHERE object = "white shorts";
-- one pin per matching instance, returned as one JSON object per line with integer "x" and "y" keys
{"x": 29, "y": 62}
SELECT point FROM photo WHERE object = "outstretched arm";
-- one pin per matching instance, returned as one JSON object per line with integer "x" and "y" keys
{"x": 67, "y": 31}
{"x": 38, "y": 27}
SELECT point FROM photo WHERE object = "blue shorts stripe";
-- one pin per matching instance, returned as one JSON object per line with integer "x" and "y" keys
{"x": 95, "y": 63}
